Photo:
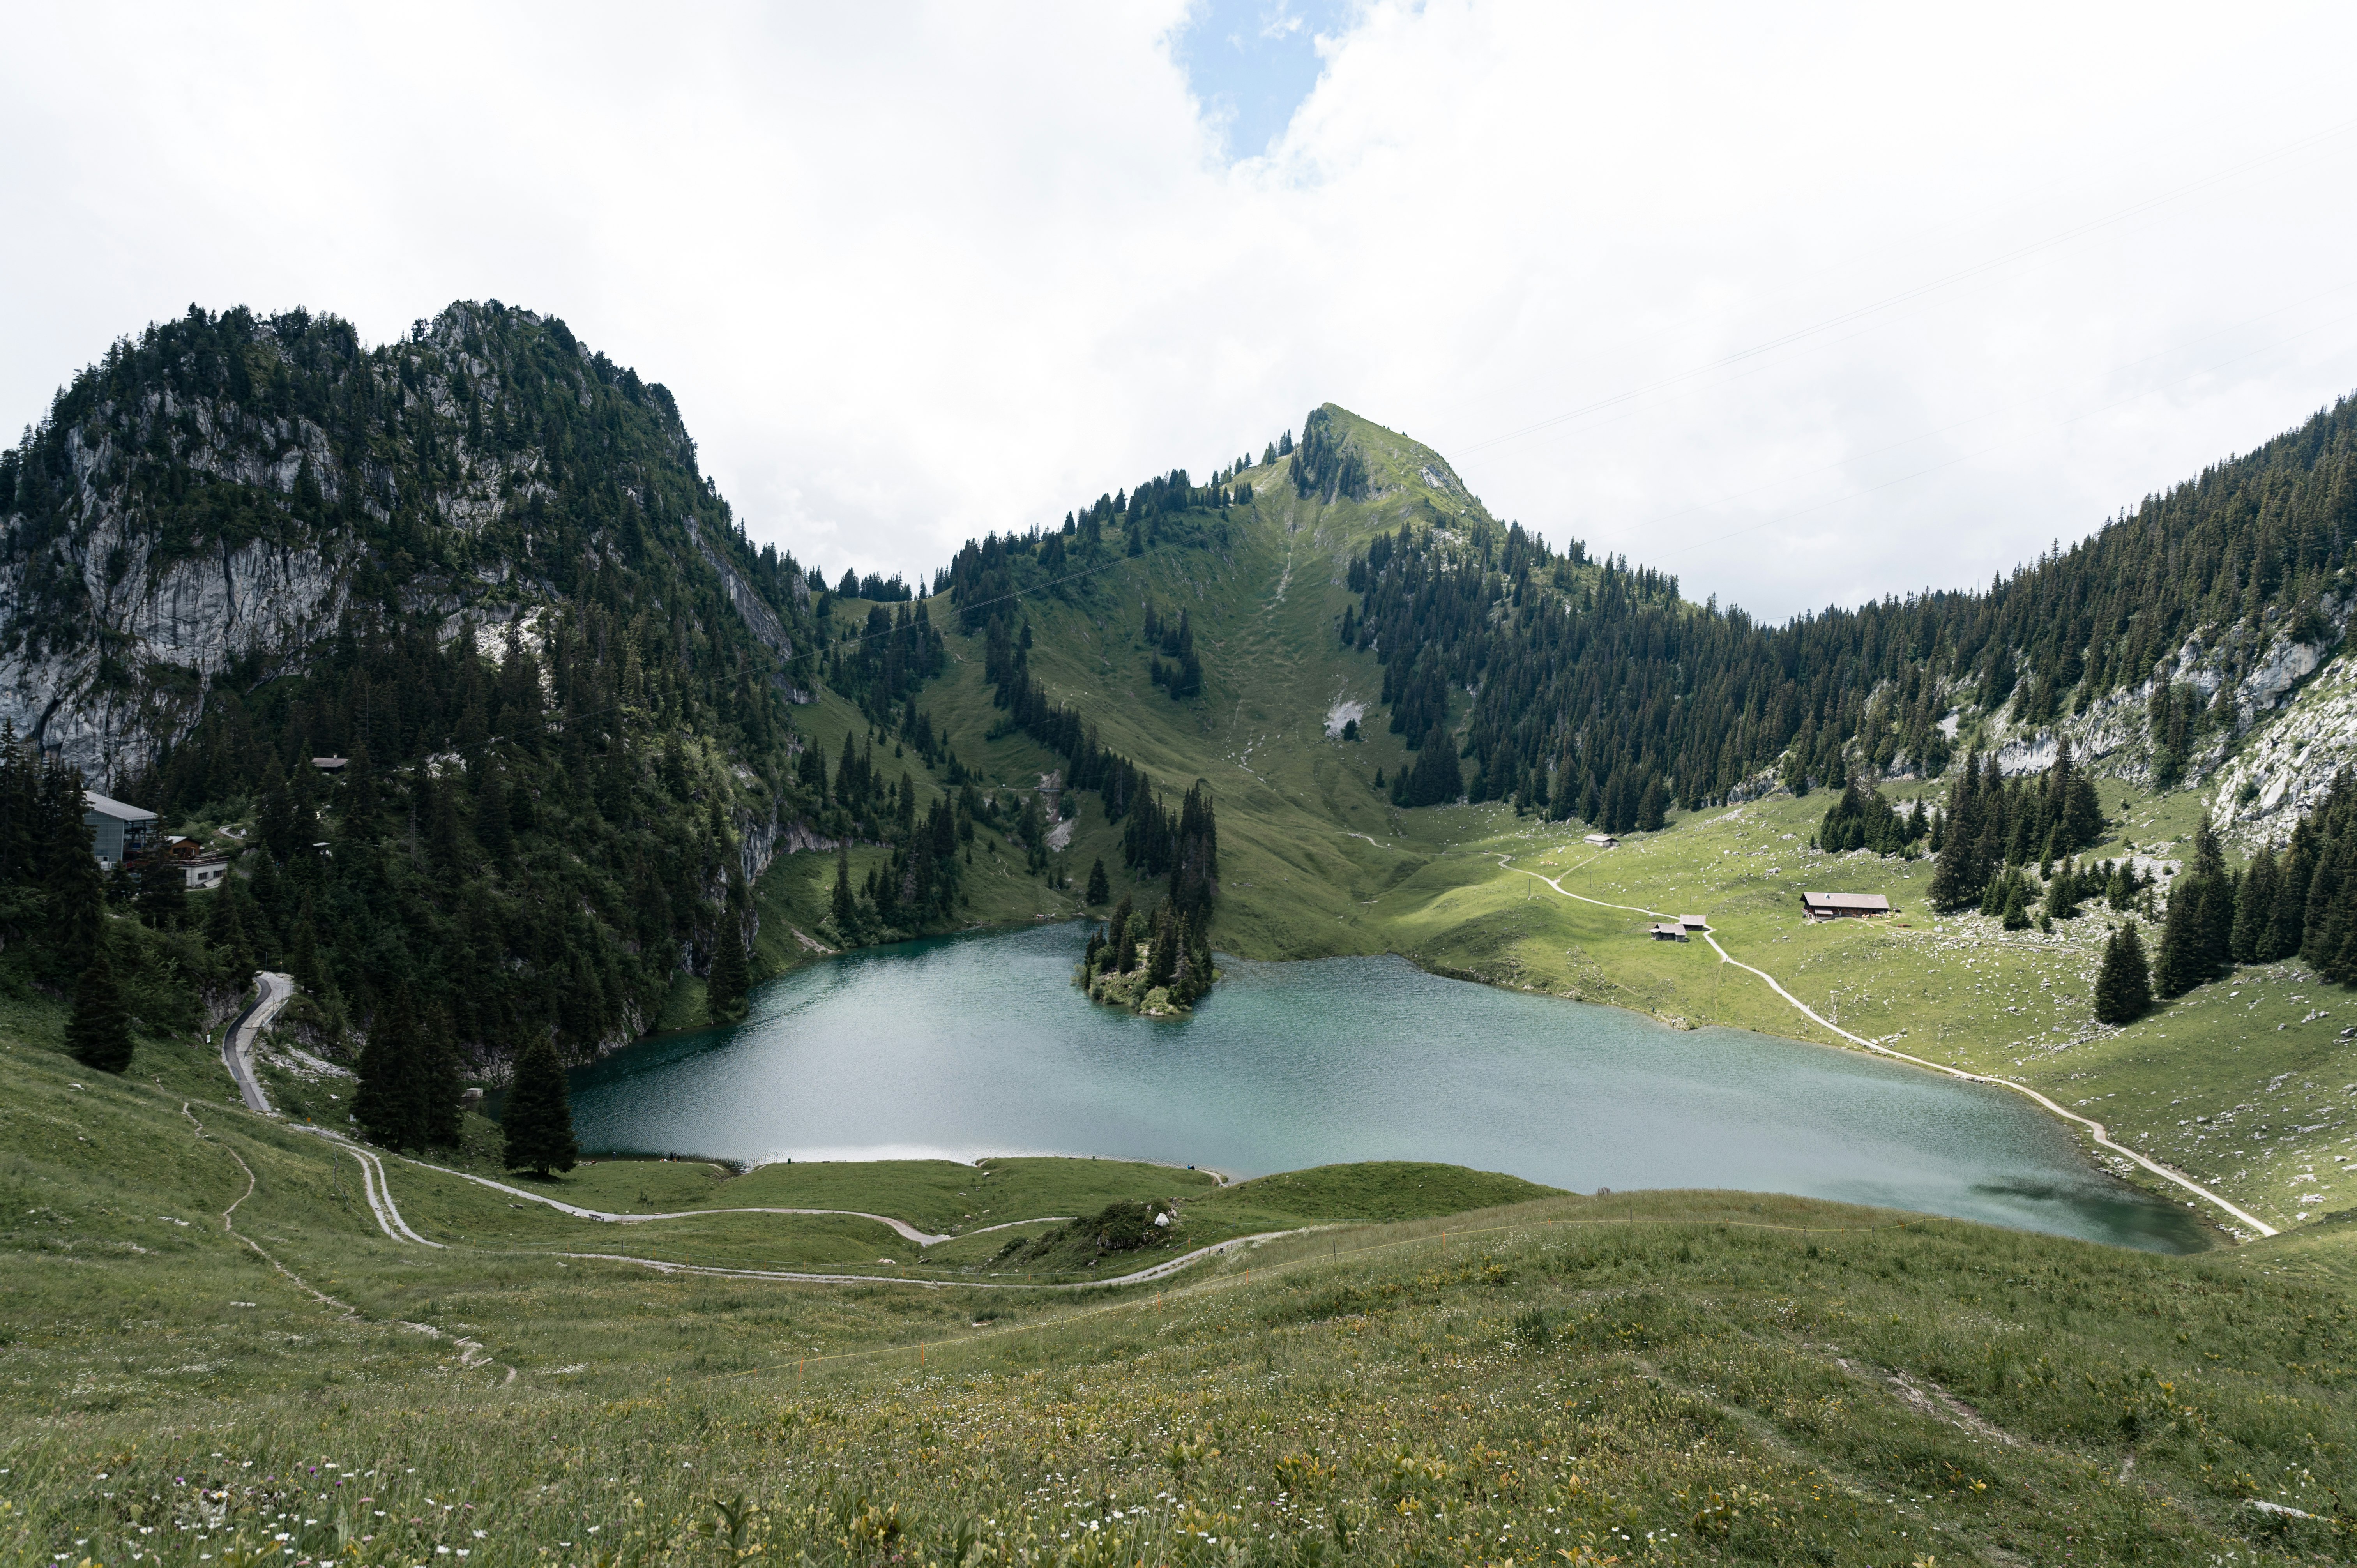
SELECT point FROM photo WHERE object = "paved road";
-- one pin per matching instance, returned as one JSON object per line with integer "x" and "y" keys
{"x": 237, "y": 1042}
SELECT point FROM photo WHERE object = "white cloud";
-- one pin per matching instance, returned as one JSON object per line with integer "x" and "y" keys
{"x": 922, "y": 272}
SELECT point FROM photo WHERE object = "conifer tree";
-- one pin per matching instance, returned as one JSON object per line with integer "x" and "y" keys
{"x": 99, "y": 1032}
{"x": 438, "y": 1112}
{"x": 843, "y": 908}
{"x": 74, "y": 891}
{"x": 389, "y": 1101}
{"x": 2217, "y": 907}
{"x": 225, "y": 931}
{"x": 2183, "y": 964}
{"x": 163, "y": 899}
{"x": 537, "y": 1122}
{"x": 1099, "y": 889}
{"x": 2255, "y": 907}
{"x": 2124, "y": 985}
{"x": 1162, "y": 961}
{"x": 1122, "y": 941}
{"x": 1954, "y": 884}
{"x": 724, "y": 990}
{"x": 2016, "y": 907}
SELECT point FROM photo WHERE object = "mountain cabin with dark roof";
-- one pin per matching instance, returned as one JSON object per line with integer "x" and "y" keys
{"x": 1844, "y": 906}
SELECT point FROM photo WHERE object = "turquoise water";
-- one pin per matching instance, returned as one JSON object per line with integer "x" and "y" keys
{"x": 980, "y": 1045}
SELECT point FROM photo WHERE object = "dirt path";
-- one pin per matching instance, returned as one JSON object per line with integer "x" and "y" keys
{"x": 375, "y": 1188}
{"x": 900, "y": 1227}
{"x": 380, "y": 1196}
{"x": 2094, "y": 1128}
{"x": 1140, "y": 1277}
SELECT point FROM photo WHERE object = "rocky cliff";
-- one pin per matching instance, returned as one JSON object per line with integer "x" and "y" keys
{"x": 206, "y": 503}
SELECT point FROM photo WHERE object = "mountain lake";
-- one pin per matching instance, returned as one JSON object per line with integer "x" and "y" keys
{"x": 966, "y": 1047}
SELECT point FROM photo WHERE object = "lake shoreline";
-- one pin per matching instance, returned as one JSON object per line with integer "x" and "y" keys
{"x": 978, "y": 1048}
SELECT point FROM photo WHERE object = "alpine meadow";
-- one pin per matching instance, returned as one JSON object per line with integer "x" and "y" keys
{"x": 396, "y": 738}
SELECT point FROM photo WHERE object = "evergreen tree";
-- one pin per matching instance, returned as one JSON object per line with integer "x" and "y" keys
{"x": 2255, "y": 907}
{"x": 2293, "y": 874}
{"x": 2217, "y": 901}
{"x": 2124, "y": 985}
{"x": 1162, "y": 960}
{"x": 1653, "y": 807}
{"x": 1099, "y": 889}
{"x": 1122, "y": 941}
{"x": 162, "y": 900}
{"x": 845, "y": 910}
{"x": 74, "y": 890}
{"x": 225, "y": 932}
{"x": 537, "y": 1122}
{"x": 99, "y": 1032}
{"x": 440, "y": 1114}
{"x": 389, "y": 1099}
{"x": 2183, "y": 964}
{"x": 2017, "y": 906}
{"x": 724, "y": 990}
{"x": 1955, "y": 884}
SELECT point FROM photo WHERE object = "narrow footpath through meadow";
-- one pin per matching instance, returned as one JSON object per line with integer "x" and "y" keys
{"x": 2094, "y": 1128}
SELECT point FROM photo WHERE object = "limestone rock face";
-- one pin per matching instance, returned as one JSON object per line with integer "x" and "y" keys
{"x": 2287, "y": 766}
{"x": 193, "y": 513}
{"x": 2262, "y": 758}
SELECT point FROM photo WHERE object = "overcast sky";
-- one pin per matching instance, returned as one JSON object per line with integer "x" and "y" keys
{"x": 1806, "y": 304}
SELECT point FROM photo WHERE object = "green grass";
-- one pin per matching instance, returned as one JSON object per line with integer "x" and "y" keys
{"x": 1373, "y": 1190}
{"x": 1662, "y": 1377}
{"x": 1316, "y": 862}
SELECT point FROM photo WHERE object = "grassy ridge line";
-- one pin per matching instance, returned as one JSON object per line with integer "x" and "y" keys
{"x": 1432, "y": 1230}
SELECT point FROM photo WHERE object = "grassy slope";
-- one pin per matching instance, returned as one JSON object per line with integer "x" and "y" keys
{"x": 1675, "y": 1377}
{"x": 1316, "y": 862}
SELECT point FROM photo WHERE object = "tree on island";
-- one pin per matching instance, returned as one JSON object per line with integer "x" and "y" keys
{"x": 2124, "y": 985}
{"x": 1119, "y": 937}
{"x": 1099, "y": 888}
{"x": 99, "y": 1033}
{"x": 537, "y": 1120}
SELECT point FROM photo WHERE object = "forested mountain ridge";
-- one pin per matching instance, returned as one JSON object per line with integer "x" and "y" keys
{"x": 216, "y": 497}
{"x": 480, "y": 563}
{"x": 2158, "y": 642}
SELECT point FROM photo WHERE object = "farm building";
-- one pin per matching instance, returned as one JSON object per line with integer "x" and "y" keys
{"x": 1667, "y": 931}
{"x": 1694, "y": 923}
{"x": 1843, "y": 906}
{"x": 1602, "y": 841}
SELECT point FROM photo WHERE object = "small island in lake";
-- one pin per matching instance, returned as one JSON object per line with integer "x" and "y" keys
{"x": 1156, "y": 965}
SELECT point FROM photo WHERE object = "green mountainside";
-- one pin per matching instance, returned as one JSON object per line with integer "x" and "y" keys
{"x": 609, "y": 765}
{"x": 220, "y": 1352}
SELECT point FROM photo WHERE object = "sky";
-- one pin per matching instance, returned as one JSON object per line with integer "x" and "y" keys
{"x": 1806, "y": 304}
